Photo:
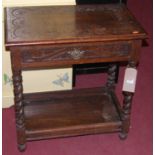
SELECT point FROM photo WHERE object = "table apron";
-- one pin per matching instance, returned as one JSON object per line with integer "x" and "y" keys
{"x": 66, "y": 55}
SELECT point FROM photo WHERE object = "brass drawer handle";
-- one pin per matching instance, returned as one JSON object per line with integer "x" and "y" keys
{"x": 76, "y": 54}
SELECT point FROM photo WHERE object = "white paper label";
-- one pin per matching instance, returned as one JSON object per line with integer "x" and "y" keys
{"x": 130, "y": 80}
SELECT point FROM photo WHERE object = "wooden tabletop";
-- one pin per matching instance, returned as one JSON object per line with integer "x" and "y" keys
{"x": 68, "y": 24}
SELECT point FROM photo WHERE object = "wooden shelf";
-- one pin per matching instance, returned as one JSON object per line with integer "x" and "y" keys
{"x": 70, "y": 113}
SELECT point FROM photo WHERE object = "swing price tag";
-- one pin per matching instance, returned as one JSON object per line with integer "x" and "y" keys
{"x": 130, "y": 80}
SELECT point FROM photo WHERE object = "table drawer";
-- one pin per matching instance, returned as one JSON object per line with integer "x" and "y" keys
{"x": 76, "y": 53}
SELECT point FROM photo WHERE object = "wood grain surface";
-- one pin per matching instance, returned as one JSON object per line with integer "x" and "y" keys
{"x": 66, "y": 24}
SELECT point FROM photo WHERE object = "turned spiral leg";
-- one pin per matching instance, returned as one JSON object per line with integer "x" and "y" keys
{"x": 111, "y": 76}
{"x": 126, "y": 114}
{"x": 126, "y": 110}
{"x": 19, "y": 110}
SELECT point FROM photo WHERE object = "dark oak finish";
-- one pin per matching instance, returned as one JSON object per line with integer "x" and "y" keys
{"x": 69, "y": 113}
{"x": 56, "y": 55}
{"x": 62, "y": 36}
{"x": 42, "y": 25}
{"x": 18, "y": 99}
{"x": 94, "y": 68}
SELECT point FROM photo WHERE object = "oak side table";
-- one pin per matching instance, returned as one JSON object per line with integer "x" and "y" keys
{"x": 61, "y": 36}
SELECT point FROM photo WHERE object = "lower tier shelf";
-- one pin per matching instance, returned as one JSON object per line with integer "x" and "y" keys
{"x": 70, "y": 113}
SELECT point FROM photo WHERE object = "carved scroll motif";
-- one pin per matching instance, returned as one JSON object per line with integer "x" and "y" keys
{"x": 69, "y": 53}
{"x": 19, "y": 20}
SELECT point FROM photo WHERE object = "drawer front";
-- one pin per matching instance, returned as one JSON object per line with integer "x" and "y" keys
{"x": 84, "y": 52}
